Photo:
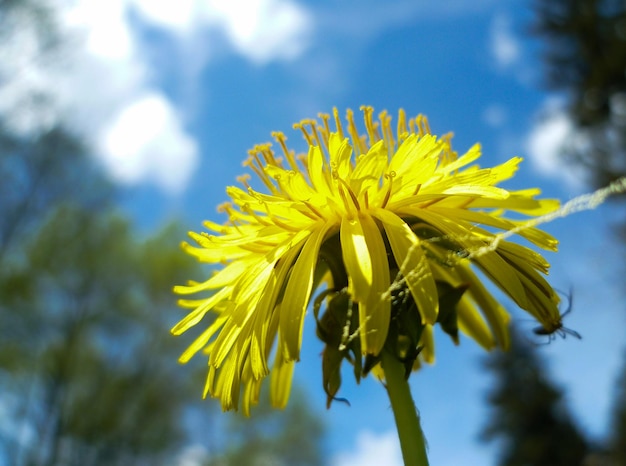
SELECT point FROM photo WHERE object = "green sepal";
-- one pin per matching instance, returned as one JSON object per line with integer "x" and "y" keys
{"x": 335, "y": 328}
{"x": 449, "y": 297}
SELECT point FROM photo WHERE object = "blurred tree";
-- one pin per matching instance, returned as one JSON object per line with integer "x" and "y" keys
{"x": 528, "y": 413}
{"x": 617, "y": 440}
{"x": 585, "y": 55}
{"x": 38, "y": 172}
{"x": 270, "y": 437}
{"x": 89, "y": 345}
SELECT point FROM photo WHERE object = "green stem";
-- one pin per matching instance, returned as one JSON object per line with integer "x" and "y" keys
{"x": 410, "y": 433}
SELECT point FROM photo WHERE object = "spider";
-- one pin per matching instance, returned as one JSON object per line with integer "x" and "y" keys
{"x": 558, "y": 328}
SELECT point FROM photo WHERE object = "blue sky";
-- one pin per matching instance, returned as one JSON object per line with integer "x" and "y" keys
{"x": 172, "y": 97}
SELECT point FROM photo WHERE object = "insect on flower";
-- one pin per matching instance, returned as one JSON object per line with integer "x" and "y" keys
{"x": 557, "y": 328}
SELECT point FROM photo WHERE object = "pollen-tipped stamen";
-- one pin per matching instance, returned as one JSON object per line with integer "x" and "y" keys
{"x": 370, "y": 126}
{"x": 280, "y": 138}
{"x": 357, "y": 143}
{"x": 389, "y": 176}
{"x": 255, "y": 164}
{"x": 338, "y": 123}
{"x": 355, "y": 202}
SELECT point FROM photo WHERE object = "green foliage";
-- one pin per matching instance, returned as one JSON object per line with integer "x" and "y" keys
{"x": 278, "y": 438}
{"x": 528, "y": 413}
{"x": 38, "y": 173}
{"x": 338, "y": 322}
{"x": 91, "y": 341}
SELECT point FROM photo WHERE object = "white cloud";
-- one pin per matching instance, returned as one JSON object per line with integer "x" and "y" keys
{"x": 552, "y": 133}
{"x": 25, "y": 87}
{"x": 546, "y": 140}
{"x": 495, "y": 115}
{"x": 145, "y": 141}
{"x": 137, "y": 133}
{"x": 372, "y": 450}
{"x": 176, "y": 16}
{"x": 103, "y": 87}
{"x": 262, "y": 30}
{"x": 504, "y": 45}
{"x": 106, "y": 32}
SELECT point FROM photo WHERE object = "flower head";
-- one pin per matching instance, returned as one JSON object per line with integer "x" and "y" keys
{"x": 387, "y": 229}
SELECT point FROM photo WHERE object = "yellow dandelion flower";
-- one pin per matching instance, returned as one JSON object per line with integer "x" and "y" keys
{"x": 387, "y": 229}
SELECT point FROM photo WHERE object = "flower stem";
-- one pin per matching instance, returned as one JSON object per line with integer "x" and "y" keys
{"x": 412, "y": 440}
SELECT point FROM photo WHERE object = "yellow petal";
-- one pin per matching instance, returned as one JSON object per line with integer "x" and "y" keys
{"x": 229, "y": 274}
{"x": 293, "y": 183}
{"x": 539, "y": 237}
{"x": 318, "y": 171}
{"x": 514, "y": 253}
{"x": 519, "y": 203}
{"x": 504, "y": 276}
{"x": 477, "y": 190}
{"x": 251, "y": 394}
{"x": 473, "y": 325}
{"x": 416, "y": 158}
{"x": 496, "y": 315}
{"x": 281, "y": 378}
{"x": 376, "y": 311}
{"x": 369, "y": 169}
{"x": 266, "y": 317}
{"x": 427, "y": 342}
{"x": 197, "y": 314}
{"x": 542, "y": 299}
{"x": 536, "y": 236}
{"x": 340, "y": 155}
{"x": 298, "y": 291}
{"x": 356, "y": 258}
{"x": 209, "y": 253}
{"x": 365, "y": 258}
{"x": 202, "y": 340}
{"x": 413, "y": 264}
{"x": 493, "y": 266}
{"x": 465, "y": 159}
